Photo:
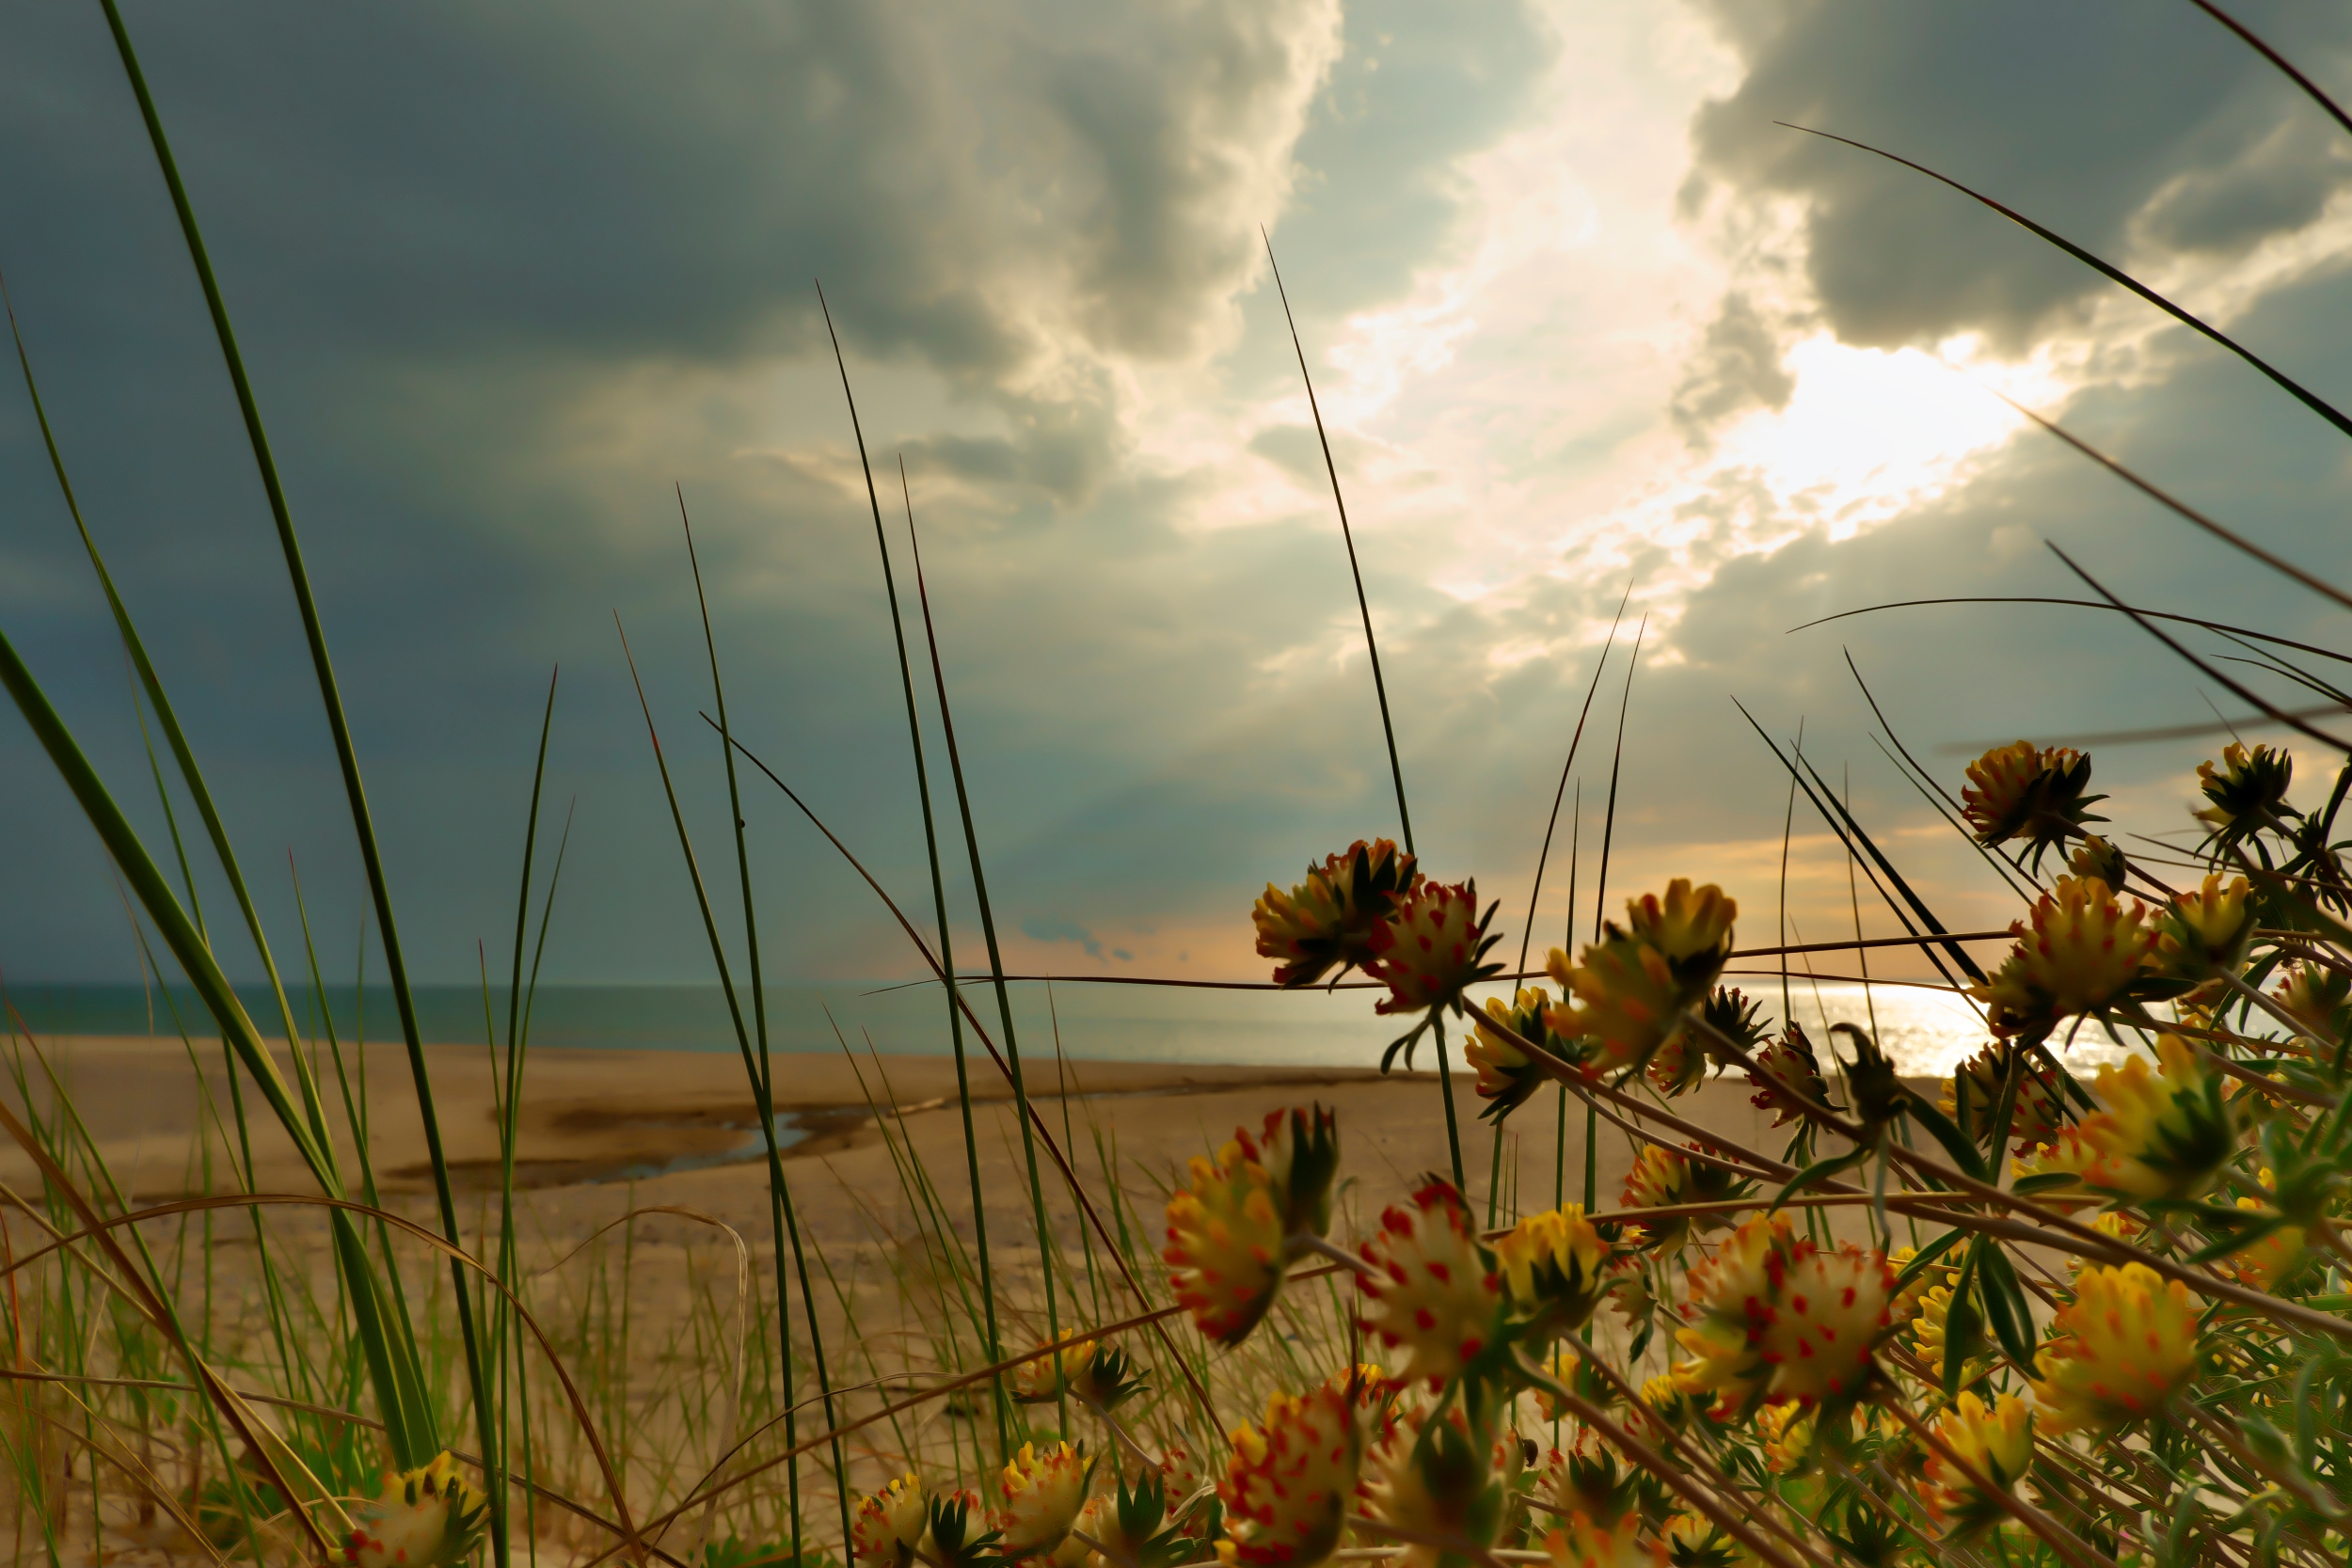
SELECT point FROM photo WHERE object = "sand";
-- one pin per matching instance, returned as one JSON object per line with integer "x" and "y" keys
{"x": 673, "y": 1137}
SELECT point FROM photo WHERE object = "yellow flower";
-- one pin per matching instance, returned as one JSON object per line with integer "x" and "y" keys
{"x": 1582, "y": 1544}
{"x": 1328, "y": 920}
{"x": 1996, "y": 1443}
{"x": 1038, "y": 1498}
{"x": 2249, "y": 791}
{"x": 1553, "y": 1266}
{"x": 1434, "y": 1483}
{"x": 2036, "y": 1116}
{"x": 2113, "y": 1223}
{"x": 2095, "y": 857}
{"x": 1634, "y": 985}
{"x": 1688, "y": 924}
{"x": 2205, "y": 932}
{"x": 1431, "y": 948}
{"x": 1693, "y": 1541}
{"x": 1102, "y": 1376}
{"x": 2163, "y": 1135}
{"x": 1926, "y": 1331}
{"x": 1664, "y": 1178}
{"x": 428, "y": 1517}
{"x": 1506, "y": 1073}
{"x": 2123, "y": 1348}
{"x": 889, "y": 1524}
{"x": 1786, "y": 1430}
{"x": 2320, "y": 999}
{"x": 1778, "y": 1318}
{"x": 2263, "y": 1262}
{"x": 1097, "y": 1521}
{"x": 2083, "y": 949}
{"x": 1560, "y": 1365}
{"x": 1784, "y": 1071}
{"x": 1432, "y": 1289}
{"x": 2023, "y": 791}
{"x": 1227, "y": 1245}
{"x": 1230, "y": 1229}
{"x": 1180, "y": 1477}
{"x": 1287, "y": 1485}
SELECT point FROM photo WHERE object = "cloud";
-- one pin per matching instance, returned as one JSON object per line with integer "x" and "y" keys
{"x": 2181, "y": 123}
{"x": 1736, "y": 368}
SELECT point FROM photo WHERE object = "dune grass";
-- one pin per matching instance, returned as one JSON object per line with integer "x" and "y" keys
{"x": 1903, "y": 1337}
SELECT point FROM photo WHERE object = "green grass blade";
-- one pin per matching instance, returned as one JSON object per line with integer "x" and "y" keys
{"x": 995, "y": 958}
{"x": 782, "y": 1216}
{"x": 387, "y": 932}
{"x": 777, "y": 1184}
{"x": 939, "y": 895}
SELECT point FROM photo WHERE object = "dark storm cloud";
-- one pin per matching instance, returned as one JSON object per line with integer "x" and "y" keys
{"x": 2091, "y": 118}
{"x": 494, "y": 268}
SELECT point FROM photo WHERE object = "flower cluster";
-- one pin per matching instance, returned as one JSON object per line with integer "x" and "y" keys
{"x": 428, "y": 1517}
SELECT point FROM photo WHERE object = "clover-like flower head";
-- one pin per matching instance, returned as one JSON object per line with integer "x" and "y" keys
{"x": 2319, "y": 998}
{"x": 1433, "y": 1291}
{"x": 2095, "y": 857}
{"x": 1554, "y": 1273}
{"x": 2022, "y": 791}
{"x": 2083, "y": 949}
{"x": 1287, "y": 1486}
{"x": 2163, "y": 1135}
{"x": 1038, "y": 1498}
{"x": 1997, "y": 1441}
{"x": 2121, "y": 1350}
{"x": 428, "y": 1517}
{"x": 889, "y": 1525}
{"x": 1633, "y": 988}
{"x": 1326, "y": 922}
{"x": 1506, "y": 1073}
{"x": 2205, "y": 933}
{"x": 2037, "y": 1112}
{"x": 1775, "y": 1319}
{"x": 1433, "y": 1481}
{"x": 1431, "y": 948}
{"x": 2247, "y": 792}
{"x": 1227, "y": 1245}
{"x": 1662, "y": 1177}
{"x": 1786, "y": 1075}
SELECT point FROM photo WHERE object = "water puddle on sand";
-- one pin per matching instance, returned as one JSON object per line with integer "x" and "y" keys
{"x": 608, "y": 1144}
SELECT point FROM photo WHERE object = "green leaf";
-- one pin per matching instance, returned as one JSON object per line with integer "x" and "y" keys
{"x": 1927, "y": 1257}
{"x": 2005, "y": 1305}
{"x": 1964, "y": 1336}
{"x": 2045, "y": 1182}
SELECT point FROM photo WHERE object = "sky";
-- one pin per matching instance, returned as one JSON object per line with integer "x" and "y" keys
{"x": 1581, "y": 315}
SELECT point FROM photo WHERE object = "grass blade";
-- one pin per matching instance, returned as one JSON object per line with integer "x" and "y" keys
{"x": 995, "y": 958}
{"x": 2243, "y": 693}
{"x": 2227, "y": 537}
{"x": 1380, "y": 685}
{"x": 2310, "y": 87}
{"x": 2287, "y": 384}
{"x": 347, "y": 758}
{"x": 939, "y": 894}
{"x": 2087, "y": 604}
{"x": 783, "y": 1216}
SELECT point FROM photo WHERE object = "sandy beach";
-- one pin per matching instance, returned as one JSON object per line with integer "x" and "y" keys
{"x": 669, "y": 1142}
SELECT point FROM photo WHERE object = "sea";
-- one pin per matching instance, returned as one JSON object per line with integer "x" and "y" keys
{"x": 1926, "y": 1030}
